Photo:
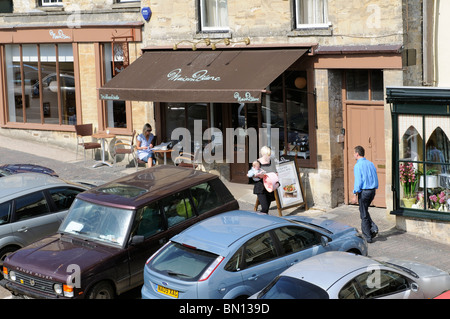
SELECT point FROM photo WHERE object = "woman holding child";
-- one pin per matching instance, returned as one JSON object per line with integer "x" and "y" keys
{"x": 266, "y": 165}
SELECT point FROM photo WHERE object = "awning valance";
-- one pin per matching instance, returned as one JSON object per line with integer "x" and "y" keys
{"x": 227, "y": 76}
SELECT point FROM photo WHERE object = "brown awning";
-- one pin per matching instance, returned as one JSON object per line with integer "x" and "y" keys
{"x": 229, "y": 76}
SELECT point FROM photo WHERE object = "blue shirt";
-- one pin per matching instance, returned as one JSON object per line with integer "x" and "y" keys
{"x": 365, "y": 175}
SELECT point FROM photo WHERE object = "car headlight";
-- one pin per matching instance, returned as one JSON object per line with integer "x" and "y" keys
{"x": 12, "y": 275}
{"x": 58, "y": 288}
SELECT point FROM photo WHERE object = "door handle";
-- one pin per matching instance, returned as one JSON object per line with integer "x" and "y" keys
{"x": 253, "y": 277}
{"x": 294, "y": 262}
{"x": 23, "y": 229}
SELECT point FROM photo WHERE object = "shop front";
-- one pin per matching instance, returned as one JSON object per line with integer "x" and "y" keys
{"x": 231, "y": 102}
{"x": 421, "y": 159}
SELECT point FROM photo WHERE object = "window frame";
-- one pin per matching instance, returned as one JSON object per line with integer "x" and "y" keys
{"x": 47, "y": 3}
{"x": 201, "y": 24}
{"x": 298, "y": 25}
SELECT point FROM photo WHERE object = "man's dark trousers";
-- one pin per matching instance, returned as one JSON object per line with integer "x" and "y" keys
{"x": 368, "y": 227}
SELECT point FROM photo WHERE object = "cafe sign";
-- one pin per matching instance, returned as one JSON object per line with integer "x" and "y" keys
{"x": 199, "y": 76}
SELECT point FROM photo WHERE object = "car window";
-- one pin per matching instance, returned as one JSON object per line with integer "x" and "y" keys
{"x": 294, "y": 239}
{"x": 259, "y": 249}
{"x": 30, "y": 206}
{"x": 378, "y": 283}
{"x": 63, "y": 197}
{"x": 178, "y": 208}
{"x": 234, "y": 263}
{"x": 205, "y": 197}
{"x": 351, "y": 291}
{"x": 5, "y": 212}
{"x": 149, "y": 221}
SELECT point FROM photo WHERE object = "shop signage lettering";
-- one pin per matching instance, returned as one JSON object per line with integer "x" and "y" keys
{"x": 202, "y": 75}
{"x": 246, "y": 98}
{"x": 59, "y": 35}
{"x": 109, "y": 97}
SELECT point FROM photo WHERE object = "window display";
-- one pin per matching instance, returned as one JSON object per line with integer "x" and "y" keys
{"x": 424, "y": 162}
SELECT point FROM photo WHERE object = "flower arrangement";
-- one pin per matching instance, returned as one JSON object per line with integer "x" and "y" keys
{"x": 408, "y": 179}
{"x": 437, "y": 200}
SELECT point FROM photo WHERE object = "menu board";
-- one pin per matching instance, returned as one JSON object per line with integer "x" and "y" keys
{"x": 290, "y": 192}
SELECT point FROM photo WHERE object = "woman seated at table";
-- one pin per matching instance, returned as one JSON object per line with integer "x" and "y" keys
{"x": 144, "y": 145}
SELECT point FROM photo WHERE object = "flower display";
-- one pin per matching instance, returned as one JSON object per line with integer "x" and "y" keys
{"x": 437, "y": 200}
{"x": 408, "y": 179}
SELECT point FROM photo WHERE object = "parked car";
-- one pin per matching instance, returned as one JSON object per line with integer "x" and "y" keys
{"x": 235, "y": 254}
{"x": 338, "y": 275}
{"x": 9, "y": 169}
{"x": 32, "y": 206}
{"x": 111, "y": 230}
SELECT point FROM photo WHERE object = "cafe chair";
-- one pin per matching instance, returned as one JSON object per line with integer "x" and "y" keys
{"x": 125, "y": 146}
{"x": 185, "y": 159}
{"x": 83, "y": 131}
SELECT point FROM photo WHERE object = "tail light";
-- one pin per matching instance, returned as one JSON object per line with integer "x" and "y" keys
{"x": 208, "y": 272}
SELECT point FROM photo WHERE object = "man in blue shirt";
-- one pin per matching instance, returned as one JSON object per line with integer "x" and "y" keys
{"x": 366, "y": 183}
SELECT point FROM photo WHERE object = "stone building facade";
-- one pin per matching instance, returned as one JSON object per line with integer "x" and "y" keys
{"x": 357, "y": 39}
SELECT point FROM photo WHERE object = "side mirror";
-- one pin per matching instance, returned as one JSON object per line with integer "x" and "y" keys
{"x": 324, "y": 241}
{"x": 137, "y": 239}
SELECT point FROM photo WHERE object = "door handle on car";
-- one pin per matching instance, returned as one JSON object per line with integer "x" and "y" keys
{"x": 23, "y": 229}
{"x": 294, "y": 262}
{"x": 253, "y": 277}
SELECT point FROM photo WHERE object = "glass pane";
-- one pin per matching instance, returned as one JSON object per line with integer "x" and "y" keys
{"x": 148, "y": 221}
{"x": 259, "y": 249}
{"x": 31, "y": 206}
{"x": 14, "y": 83}
{"x": 214, "y": 14}
{"x": 116, "y": 115}
{"x": 297, "y": 114}
{"x": 357, "y": 85}
{"x": 175, "y": 117}
{"x": 272, "y": 110}
{"x": 177, "y": 208}
{"x": 49, "y": 87}
{"x": 376, "y": 85}
{"x": 311, "y": 11}
{"x": 31, "y": 77}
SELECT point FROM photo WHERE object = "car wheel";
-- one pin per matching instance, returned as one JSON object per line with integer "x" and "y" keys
{"x": 102, "y": 290}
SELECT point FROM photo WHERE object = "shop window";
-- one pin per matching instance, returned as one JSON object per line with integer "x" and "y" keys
{"x": 41, "y": 83}
{"x": 213, "y": 15}
{"x": 311, "y": 13}
{"x": 364, "y": 85}
{"x": 423, "y": 169}
{"x": 288, "y": 110}
{"x": 115, "y": 60}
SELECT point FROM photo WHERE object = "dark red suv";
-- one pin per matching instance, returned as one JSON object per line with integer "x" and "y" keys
{"x": 111, "y": 230}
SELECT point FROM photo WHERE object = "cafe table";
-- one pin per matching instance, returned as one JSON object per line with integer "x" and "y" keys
{"x": 102, "y": 136}
{"x": 163, "y": 152}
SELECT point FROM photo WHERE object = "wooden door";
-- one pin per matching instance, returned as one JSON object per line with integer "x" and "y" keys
{"x": 365, "y": 127}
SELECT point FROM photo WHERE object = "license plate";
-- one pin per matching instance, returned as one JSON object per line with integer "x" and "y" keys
{"x": 167, "y": 291}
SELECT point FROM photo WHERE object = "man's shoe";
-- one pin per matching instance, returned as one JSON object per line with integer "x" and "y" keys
{"x": 374, "y": 234}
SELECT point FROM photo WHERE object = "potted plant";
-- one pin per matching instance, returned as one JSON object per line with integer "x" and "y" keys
{"x": 408, "y": 180}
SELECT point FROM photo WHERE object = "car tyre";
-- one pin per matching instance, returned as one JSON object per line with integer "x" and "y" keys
{"x": 102, "y": 290}
{"x": 5, "y": 252}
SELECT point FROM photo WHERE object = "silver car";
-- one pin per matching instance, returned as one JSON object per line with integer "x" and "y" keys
{"x": 339, "y": 275}
{"x": 32, "y": 206}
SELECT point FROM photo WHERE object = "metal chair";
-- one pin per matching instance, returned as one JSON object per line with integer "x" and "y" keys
{"x": 83, "y": 131}
{"x": 126, "y": 147}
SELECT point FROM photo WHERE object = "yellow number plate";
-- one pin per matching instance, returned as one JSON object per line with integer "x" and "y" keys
{"x": 167, "y": 291}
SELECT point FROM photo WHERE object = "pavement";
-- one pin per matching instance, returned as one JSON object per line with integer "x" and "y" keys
{"x": 390, "y": 242}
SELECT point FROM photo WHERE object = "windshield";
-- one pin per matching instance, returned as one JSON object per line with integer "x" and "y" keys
{"x": 97, "y": 222}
